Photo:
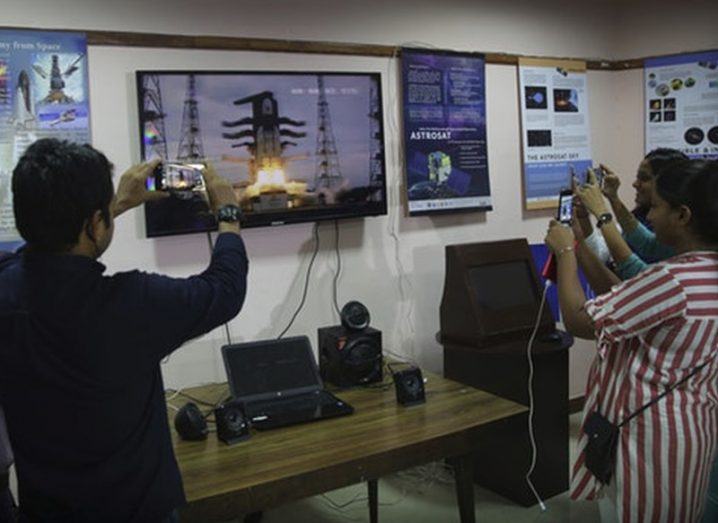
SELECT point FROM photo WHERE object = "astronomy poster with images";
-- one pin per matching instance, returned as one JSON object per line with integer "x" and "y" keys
{"x": 43, "y": 94}
{"x": 556, "y": 135}
{"x": 444, "y": 110}
{"x": 681, "y": 103}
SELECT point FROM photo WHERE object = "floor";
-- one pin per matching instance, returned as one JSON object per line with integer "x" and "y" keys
{"x": 426, "y": 495}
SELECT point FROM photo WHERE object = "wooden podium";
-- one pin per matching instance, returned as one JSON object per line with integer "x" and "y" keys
{"x": 489, "y": 308}
{"x": 504, "y": 454}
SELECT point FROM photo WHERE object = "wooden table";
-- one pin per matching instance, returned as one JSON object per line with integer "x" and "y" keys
{"x": 381, "y": 437}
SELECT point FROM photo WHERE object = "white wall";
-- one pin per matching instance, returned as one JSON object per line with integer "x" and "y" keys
{"x": 552, "y": 27}
{"x": 651, "y": 28}
{"x": 399, "y": 280}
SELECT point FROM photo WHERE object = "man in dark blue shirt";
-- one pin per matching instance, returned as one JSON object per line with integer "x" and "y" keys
{"x": 80, "y": 352}
{"x": 7, "y": 505}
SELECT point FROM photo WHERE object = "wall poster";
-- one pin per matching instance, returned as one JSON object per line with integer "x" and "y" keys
{"x": 681, "y": 103}
{"x": 556, "y": 135}
{"x": 43, "y": 93}
{"x": 444, "y": 110}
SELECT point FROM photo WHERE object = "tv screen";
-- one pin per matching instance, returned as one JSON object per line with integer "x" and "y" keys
{"x": 296, "y": 146}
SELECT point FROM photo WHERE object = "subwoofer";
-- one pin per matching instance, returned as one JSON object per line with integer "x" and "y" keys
{"x": 348, "y": 357}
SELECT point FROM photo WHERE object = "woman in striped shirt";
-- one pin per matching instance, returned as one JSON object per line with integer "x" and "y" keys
{"x": 654, "y": 331}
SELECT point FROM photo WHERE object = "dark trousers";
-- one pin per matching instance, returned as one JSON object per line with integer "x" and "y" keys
{"x": 7, "y": 504}
{"x": 172, "y": 518}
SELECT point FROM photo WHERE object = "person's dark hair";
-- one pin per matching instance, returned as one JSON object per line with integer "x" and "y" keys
{"x": 57, "y": 187}
{"x": 693, "y": 183}
{"x": 658, "y": 159}
{"x": 662, "y": 157}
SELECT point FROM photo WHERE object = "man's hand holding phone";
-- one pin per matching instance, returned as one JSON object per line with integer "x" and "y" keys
{"x": 220, "y": 194}
{"x": 132, "y": 188}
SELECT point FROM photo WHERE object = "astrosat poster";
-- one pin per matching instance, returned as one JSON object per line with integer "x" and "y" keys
{"x": 43, "y": 93}
{"x": 444, "y": 110}
{"x": 555, "y": 134}
{"x": 681, "y": 103}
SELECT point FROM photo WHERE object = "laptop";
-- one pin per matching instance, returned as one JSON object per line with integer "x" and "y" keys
{"x": 278, "y": 383}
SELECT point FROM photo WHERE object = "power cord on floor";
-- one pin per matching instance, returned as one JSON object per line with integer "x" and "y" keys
{"x": 531, "y": 397}
{"x": 357, "y": 498}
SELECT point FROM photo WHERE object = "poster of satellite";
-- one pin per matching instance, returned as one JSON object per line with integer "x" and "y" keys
{"x": 444, "y": 110}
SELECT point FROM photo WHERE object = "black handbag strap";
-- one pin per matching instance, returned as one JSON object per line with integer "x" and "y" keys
{"x": 664, "y": 393}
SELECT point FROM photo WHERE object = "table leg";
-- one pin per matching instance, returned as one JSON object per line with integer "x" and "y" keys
{"x": 463, "y": 471}
{"x": 373, "y": 487}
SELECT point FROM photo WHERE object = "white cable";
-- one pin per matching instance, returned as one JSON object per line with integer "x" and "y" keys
{"x": 394, "y": 194}
{"x": 531, "y": 398}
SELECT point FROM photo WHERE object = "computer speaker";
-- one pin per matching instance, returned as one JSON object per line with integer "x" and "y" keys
{"x": 190, "y": 423}
{"x": 348, "y": 357}
{"x": 232, "y": 424}
{"x": 355, "y": 316}
{"x": 409, "y": 385}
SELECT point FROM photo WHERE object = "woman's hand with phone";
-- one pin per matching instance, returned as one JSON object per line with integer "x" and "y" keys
{"x": 611, "y": 183}
{"x": 591, "y": 195}
{"x": 559, "y": 237}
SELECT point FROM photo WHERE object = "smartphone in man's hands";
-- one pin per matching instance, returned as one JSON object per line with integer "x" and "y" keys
{"x": 177, "y": 177}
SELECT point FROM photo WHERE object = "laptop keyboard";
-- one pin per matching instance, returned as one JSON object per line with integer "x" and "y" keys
{"x": 277, "y": 407}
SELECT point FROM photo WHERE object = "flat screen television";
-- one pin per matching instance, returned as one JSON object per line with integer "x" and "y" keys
{"x": 296, "y": 146}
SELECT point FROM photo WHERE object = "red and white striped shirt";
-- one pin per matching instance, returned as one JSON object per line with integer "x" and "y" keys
{"x": 654, "y": 330}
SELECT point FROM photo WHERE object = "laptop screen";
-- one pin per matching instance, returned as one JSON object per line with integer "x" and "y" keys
{"x": 266, "y": 368}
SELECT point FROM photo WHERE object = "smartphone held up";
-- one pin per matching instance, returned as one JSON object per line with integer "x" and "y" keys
{"x": 565, "y": 206}
{"x": 599, "y": 173}
{"x": 177, "y": 177}
{"x": 564, "y": 215}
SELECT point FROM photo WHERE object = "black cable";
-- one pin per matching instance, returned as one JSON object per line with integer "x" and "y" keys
{"x": 306, "y": 281}
{"x": 211, "y": 251}
{"x": 339, "y": 266}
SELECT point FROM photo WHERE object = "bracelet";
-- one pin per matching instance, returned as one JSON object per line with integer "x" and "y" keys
{"x": 565, "y": 249}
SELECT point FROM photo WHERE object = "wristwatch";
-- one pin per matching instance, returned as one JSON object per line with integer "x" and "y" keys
{"x": 229, "y": 214}
{"x": 604, "y": 219}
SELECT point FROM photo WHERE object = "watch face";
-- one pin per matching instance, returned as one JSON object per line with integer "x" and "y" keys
{"x": 229, "y": 213}
{"x": 604, "y": 219}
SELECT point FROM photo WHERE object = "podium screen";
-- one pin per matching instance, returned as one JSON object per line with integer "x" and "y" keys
{"x": 501, "y": 286}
